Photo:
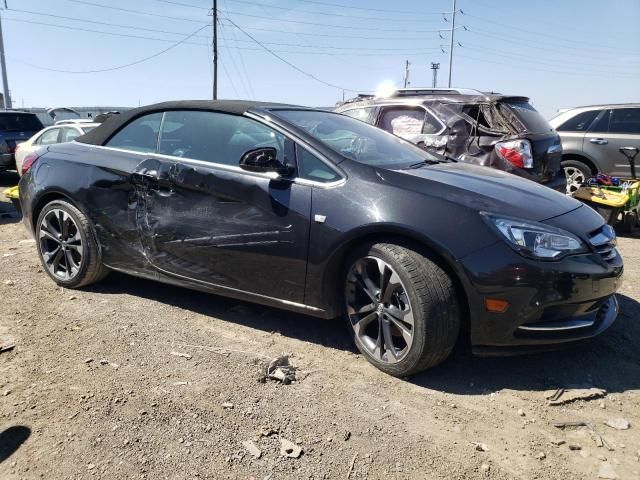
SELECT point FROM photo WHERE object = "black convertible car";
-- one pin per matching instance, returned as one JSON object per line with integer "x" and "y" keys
{"x": 320, "y": 213}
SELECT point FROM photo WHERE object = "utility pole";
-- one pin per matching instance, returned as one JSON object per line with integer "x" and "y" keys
{"x": 406, "y": 74}
{"x": 3, "y": 67}
{"x": 453, "y": 26}
{"x": 215, "y": 49}
{"x": 435, "y": 67}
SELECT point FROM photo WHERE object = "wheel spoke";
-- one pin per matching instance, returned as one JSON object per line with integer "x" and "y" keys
{"x": 55, "y": 263}
{"x": 407, "y": 335}
{"x": 48, "y": 256}
{"x": 393, "y": 285}
{"x": 388, "y": 339}
{"x": 49, "y": 228}
{"x": 49, "y": 236}
{"x": 360, "y": 325}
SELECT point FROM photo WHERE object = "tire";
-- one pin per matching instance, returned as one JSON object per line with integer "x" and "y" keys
{"x": 576, "y": 172}
{"x": 78, "y": 259}
{"x": 414, "y": 280}
{"x": 629, "y": 221}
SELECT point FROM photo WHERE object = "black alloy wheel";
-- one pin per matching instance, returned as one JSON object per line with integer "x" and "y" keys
{"x": 67, "y": 246}
{"x": 402, "y": 308}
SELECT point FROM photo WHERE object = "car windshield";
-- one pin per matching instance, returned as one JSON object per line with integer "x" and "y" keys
{"x": 88, "y": 129}
{"x": 524, "y": 117}
{"x": 357, "y": 140}
{"x": 16, "y": 122}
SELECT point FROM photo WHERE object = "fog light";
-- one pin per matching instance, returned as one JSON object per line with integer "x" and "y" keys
{"x": 495, "y": 305}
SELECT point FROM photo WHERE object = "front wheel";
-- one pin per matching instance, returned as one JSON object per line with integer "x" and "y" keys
{"x": 401, "y": 307}
{"x": 67, "y": 246}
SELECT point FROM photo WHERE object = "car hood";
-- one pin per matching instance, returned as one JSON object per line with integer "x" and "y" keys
{"x": 485, "y": 189}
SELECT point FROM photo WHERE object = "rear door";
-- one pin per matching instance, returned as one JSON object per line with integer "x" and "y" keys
{"x": 203, "y": 218}
{"x": 614, "y": 128}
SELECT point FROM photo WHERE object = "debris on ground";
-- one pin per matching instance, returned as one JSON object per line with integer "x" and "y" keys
{"x": 595, "y": 436}
{"x": 567, "y": 395}
{"x": 252, "y": 449}
{"x": 607, "y": 472}
{"x": 574, "y": 447}
{"x": 289, "y": 449}
{"x": 351, "y": 465}
{"x": 618, "y": 423}
{"x": 227, "y": 405}
{"x": 183, "y": 355}
{"x": 521, "y": 412}
{"x": 7, "y": 347}
{"x": 541, "y": 456}
{"x": 281, "y": 370}
{"x": 481, "y": 447}
{"x": 9, "y": 283}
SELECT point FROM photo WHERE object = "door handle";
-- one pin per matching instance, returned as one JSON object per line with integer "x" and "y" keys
{"x": 598, "y": 141}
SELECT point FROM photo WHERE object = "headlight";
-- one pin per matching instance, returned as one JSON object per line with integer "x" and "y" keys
{"x": 534, "y": 239}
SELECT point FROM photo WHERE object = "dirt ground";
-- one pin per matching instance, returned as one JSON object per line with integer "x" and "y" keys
{"x": 92, "y": 390}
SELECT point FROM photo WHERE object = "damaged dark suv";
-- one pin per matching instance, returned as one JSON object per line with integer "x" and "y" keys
{"x": 489, "y": 129}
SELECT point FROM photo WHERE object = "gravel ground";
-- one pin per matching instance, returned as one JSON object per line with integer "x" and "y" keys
{"x": 93, "y": 390}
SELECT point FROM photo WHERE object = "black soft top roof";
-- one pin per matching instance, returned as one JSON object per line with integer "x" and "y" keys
{"x": 99, "y": 135}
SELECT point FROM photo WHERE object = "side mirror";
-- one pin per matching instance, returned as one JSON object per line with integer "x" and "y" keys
{"x": 264, "y": 160}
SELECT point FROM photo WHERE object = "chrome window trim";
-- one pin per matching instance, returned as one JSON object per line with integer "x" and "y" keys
{"x": 426, "y": 109}
{"x": 237, "y": 169}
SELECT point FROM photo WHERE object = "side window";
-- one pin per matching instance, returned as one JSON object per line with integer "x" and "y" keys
{"x": 431, "y": 125}
{"x": 403, "y": 121}
{"x": 602, "y": 122}
{"x": 49, "y": 137}
{"x": 579, "y": 123}
{"x": 69, "y": 134}
{"x": 625, "y": 120}
{"x": 364, "y": 114}
{"x": 215, "y": 137}
{"x": 311, "y": 167}
{"x": 140, "y": 135}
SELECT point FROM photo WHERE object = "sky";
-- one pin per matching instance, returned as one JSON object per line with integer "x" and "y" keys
{"x": 560, "y": 53}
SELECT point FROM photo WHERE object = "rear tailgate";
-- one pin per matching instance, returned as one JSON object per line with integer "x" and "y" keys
{"x": 545, "y": 142}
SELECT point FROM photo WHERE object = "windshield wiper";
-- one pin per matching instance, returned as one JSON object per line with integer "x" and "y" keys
{"x": 425, "y": 162}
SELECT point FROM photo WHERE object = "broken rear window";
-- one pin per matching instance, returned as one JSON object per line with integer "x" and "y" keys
{"x": 524, "y": 117}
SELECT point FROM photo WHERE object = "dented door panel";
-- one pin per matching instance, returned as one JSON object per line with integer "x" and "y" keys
{"x": 224, "y": 227}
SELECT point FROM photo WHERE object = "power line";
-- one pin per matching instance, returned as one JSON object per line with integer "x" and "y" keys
{"x": 520, "y": 29}
{"x": 96, "y": 22}
{"x": 139, "y": 12}
{"x": 295, "y": 67}
{"x": 332, "y": 35}
{"x": 133, "y": 27}
{"x": 531, "y": 59}
{"x": 528, "y": 71}
{"x": 348, "y": 27}
{"x": 368, "y": 9}
{"x": 119, "y": 67}
{"x": 358, "y": 53}
{"x": 330, "y": 14}
{"x": 68, "y": 27}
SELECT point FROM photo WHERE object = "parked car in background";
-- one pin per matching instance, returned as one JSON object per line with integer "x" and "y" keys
{"x": 489, "y": 129}
{"x": 15, "y": 127}
{"x": 325, "y": 215}
{"x": 74, "y": 121}
{"x": 591, "y": 139}
{"x": 49, "y": 136}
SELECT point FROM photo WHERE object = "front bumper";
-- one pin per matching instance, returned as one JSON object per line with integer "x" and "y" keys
{"x": 550, "y": 303}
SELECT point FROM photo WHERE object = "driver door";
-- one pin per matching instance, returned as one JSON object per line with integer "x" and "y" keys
{"x": 201, "y": 217}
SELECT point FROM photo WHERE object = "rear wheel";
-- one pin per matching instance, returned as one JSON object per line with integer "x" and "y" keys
{"x": 401, "y": 308}
{"x": 67, "y": 247}
{"x": 577, "y": 173}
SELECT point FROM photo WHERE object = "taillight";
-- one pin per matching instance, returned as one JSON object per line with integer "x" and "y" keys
{"x": 517, "y": 152}
{"x": 28, "y": 162}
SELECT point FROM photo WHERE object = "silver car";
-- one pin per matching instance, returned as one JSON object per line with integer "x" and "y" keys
{"x": 591, "y": 139}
